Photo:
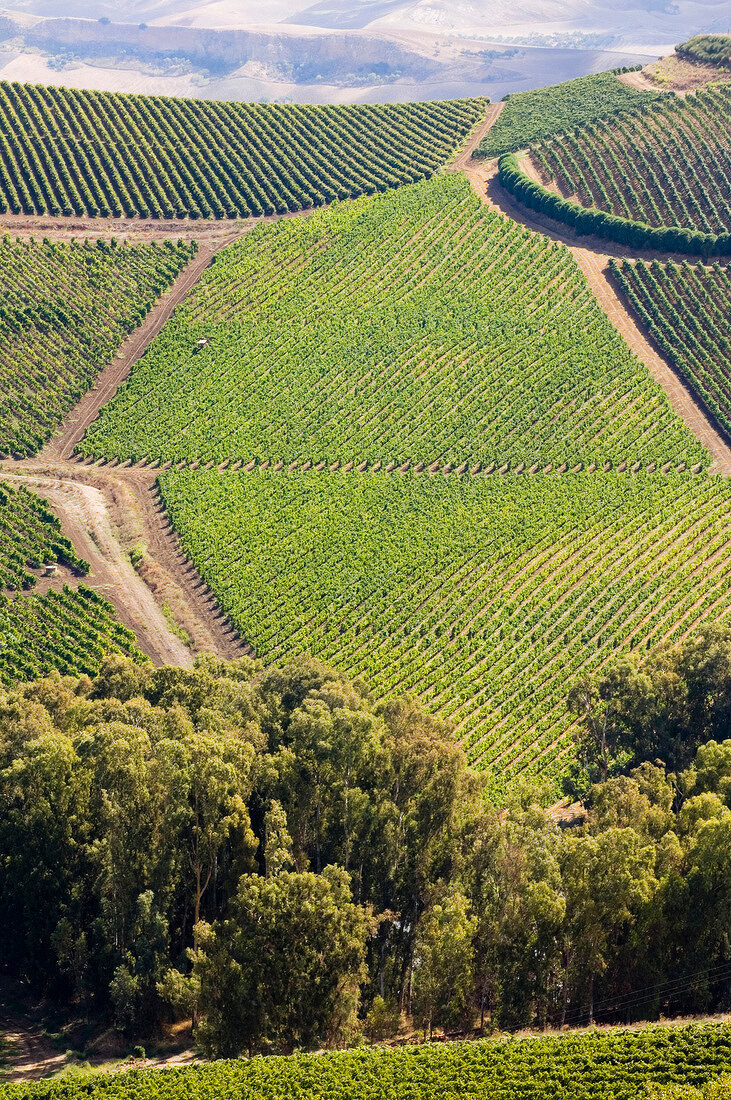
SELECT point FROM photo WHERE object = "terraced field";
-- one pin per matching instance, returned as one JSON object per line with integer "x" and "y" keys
{"x": 666, "y": 165}
{"x": 64, "y": 310}
{"x": 66, "y": 152}
{"x": 485, "y": 596}
{"x": 410, "y": 327}
{"x": 688, "y": 311}
{"x": 531, "y": 116}
{"x": 69, "y": 629}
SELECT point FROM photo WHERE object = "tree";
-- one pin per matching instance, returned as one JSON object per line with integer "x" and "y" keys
{"x": 443, "y": 971}
{"x": 606, "y": 880}
{"x": 283, "y": 970}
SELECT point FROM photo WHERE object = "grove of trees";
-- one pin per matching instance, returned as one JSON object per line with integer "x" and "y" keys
{"x": 273, "y": 855}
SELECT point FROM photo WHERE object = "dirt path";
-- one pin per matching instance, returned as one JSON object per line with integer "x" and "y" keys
{"x": 592, "y": 255}
{"x": 463, "y": 161}
{"x": 29, "y": 1053}
{"x": 108, "y": 512}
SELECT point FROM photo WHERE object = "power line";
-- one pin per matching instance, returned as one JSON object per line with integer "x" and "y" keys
{"x": 712, "y": 975}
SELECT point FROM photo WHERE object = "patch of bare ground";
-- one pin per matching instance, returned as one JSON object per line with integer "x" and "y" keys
{"x": 675, "y": 74}
{"x": 35, "y": 1045}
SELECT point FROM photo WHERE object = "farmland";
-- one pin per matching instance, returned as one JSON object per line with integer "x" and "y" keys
{"x": 611, "y": 1065}
{"x": 409, "y": 327}
{"x": 69, "y": 630}
{"x": 66, "y": 152}
{"x": 545, "y": 112}
{"x": 64, "y": 310}
{"x": 482, "y": 595}
{"x": 688, "y": 311}
{"x": 664, "y": 166}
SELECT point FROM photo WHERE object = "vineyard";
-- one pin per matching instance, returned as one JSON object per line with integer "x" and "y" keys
{"x": 664, "y": 166}
{"x": 687, "y": 309}
{"x": 483, "y": 595}
{"x": 410, "y": 327}
{"x": 64, "y": 311}
{"x": 713, "y": 49}
{"x": 608, "y": 1065}
{"x": 66, "y": 152}
{"x": 70, "y": 630}
{"x": 531, "y": 116}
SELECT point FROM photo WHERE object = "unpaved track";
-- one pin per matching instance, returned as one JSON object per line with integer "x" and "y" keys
{"x": 592, "y": 255}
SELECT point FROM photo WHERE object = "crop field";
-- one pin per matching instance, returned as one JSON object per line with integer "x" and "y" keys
{"x": 66, "y": 152}
{"x": 417, "y": 327}
{"x": 604, "y": 1065}
{"x": 688, "y": 311}
{"x": 668, "y": 164}
{"x": 530, "y": 116}
{"x": 64, "y": 311}
{"x": 30, "y": 536}
{"x": 485, "y": 596}
{"x": 70, "y": 630}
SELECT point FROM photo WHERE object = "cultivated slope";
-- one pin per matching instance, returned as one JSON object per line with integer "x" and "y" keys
{"x": 72, "y": 152}
{"x": 414, "y": 326}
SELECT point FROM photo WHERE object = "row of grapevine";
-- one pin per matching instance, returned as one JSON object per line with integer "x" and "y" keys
{"x": 415, "y": 326}
{"x": 594, "y": 1065}
{"x": 64, "y": 311}
{"x": 687, "y": 310}
{"x": 484, "y": 596}
{"x": 65, "y": 151}
{"x": 659, "y": 176}
{"x": 30, "y": 536}
{"x": 70, "y": 631}
{"x": 530, "y": 116}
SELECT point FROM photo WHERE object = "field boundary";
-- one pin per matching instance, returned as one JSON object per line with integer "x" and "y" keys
{"x": 473, "y": 470}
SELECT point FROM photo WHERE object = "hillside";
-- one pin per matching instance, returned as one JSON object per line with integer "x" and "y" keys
{"x": 365, "y": 661}
{"x": 663, "y": 167}
{"x": 413, "y": 327}
{"x": 67, "y": 628}
{"x": 64, "y": 311}
{"x": 61, "y": 153}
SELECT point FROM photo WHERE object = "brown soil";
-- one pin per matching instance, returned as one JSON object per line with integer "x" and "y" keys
{"x": 674, "y": 74}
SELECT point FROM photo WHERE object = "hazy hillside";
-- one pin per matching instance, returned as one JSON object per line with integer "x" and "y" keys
{"x": 337, "y": 50}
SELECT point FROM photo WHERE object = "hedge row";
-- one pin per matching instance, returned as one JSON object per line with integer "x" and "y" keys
{"x": 592, "y": 221}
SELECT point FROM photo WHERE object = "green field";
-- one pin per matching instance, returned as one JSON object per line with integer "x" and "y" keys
{"x": 688, "y": 311}
{"x": 667, "y": 165}
{"x": 608, "y": 1065}
{"x": 69, "y": 630}
{"x": 64, "y": 151}
{"x": 64, "y": 311}
{"x": 485, "y": 596}
{"x": 410, "y": 327}
{"x": 529, "y": 116}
